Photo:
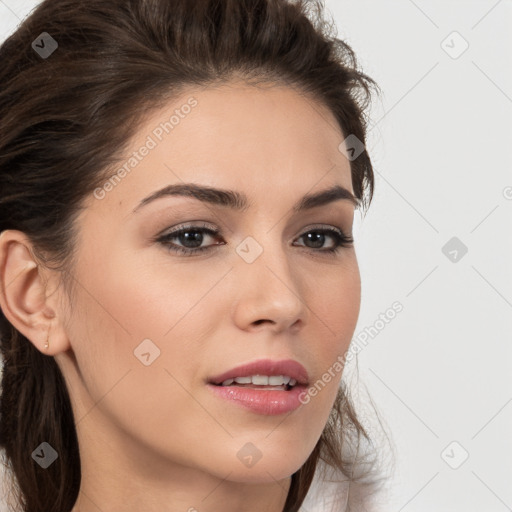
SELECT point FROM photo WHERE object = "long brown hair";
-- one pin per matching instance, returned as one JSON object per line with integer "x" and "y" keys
{"x": 67, "y": 113}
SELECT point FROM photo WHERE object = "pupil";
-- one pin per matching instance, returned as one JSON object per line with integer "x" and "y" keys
{"x": 320, "y": 238}
{"x": 196, "y": 237}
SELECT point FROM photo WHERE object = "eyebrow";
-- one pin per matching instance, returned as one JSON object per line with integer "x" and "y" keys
{"x": 239, "y": 201}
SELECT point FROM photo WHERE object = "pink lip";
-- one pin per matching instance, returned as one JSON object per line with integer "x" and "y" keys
{"x": 260, "y": 401}
{"x": 268, "y": 367}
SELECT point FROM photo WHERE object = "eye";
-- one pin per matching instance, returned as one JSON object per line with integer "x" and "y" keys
{"x": 192, "y": 237}
{"x": 195, "y": 238}
{"x": 317, "y": 236}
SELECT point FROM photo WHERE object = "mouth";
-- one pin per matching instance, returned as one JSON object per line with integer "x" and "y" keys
{"x": 266, "y": 395}
{"x": 286, "y": 384}
{"x": 264, "y": 374}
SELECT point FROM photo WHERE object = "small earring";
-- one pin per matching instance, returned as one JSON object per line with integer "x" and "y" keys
{"x": 46, "y": 345}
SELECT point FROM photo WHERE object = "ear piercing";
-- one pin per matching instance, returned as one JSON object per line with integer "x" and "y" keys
{"x": 47, "y": 344}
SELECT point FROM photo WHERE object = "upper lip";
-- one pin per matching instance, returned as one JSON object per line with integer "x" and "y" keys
{"x": 286, "y": 367}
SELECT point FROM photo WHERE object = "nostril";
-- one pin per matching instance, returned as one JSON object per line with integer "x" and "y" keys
{"x": 258, "y": 322}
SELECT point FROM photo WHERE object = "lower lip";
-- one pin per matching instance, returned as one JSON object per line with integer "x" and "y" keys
{"x": 261, "y": 401}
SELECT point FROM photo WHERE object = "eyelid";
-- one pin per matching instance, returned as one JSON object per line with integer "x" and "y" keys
{"x": 194, "y": 224}
{"x": 326, "y": 226}
{"x": 204, "y": 225}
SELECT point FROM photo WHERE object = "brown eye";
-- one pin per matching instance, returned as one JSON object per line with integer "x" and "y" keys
{"x": 190, "y": 238}
{"x": 317, "y": 237}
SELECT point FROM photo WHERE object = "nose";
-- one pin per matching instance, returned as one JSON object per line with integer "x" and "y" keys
{"x": 269, "y": 291}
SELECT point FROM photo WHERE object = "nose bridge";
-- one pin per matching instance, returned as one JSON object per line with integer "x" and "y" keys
{"x": 264, "y": 247}
{"x": 266, "y": 275}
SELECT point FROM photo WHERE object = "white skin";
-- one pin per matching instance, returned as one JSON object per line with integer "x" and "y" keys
{"x": 154, "y": 438}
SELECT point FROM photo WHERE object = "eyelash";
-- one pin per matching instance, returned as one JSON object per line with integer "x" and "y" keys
{"x": 342, "y": 240}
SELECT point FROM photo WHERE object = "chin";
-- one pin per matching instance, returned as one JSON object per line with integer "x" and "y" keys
{"x": 263, "y": 475}
{"x": 277, "y": 467}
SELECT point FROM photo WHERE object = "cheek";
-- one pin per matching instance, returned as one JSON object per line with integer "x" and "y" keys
{"x": 336, "y": 307}
{"x": 118, "y": 317}
{"x": 336, "y": 301}
{"x": 133, "y": 311}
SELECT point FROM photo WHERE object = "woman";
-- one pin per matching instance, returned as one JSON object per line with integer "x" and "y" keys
{"x": 179, "y": 284}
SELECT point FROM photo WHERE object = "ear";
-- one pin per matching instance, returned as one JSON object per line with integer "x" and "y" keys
{"x": 23, "y": 295}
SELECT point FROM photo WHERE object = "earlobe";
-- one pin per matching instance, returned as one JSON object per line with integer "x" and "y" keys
{"x": 23, "y": 294}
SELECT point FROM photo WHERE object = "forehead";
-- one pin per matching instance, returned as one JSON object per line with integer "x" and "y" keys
{"x": 268, "y": 141}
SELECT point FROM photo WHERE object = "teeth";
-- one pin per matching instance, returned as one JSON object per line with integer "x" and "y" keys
{"x": 262, "y": 380}
{"x": 243, "y": 380}
{"x": 278, "y": 380}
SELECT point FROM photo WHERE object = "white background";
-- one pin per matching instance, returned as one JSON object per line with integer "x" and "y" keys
{"x": 440, "y": 140}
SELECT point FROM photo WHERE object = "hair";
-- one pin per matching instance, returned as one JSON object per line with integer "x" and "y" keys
{"x": 66, "y": 120}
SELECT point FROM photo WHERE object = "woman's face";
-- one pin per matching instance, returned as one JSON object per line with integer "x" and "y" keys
{"x": 148, "y": 327}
